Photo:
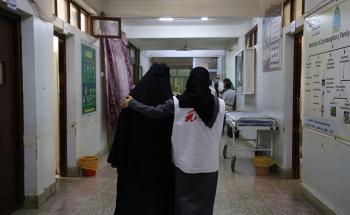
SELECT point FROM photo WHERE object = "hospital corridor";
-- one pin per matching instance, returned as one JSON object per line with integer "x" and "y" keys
{"x": 242, "y": 193}
{"x": 174, "y": 107}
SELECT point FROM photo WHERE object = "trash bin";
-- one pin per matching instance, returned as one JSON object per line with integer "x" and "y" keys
{"x": 262, "y": 165}
{"x": 89, "y": 165}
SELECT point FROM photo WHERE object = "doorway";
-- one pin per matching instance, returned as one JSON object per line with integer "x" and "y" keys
{"x": 11, "y": 123}
{"x": 61, "y": 77}
{"x": 296, "y": 154}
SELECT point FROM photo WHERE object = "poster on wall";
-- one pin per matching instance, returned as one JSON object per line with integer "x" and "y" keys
{"x": 327, "y": 71}
{"x": 272, "y": 27}
{"x": 88, "y": 69}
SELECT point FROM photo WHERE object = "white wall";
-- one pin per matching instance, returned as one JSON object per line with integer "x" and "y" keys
{"x": 217, "y": 31}
{"x": 144, "y": 62}
{"x": 46, "y": 103}
{"x": 312, "y": 4}
{"x": 326, "y": 170}
{"x": 145, "y": 56}
{"x": 326, "y": 163}
{"x": 29, "y": 107}
{"x": 193, "y": 53}
{"x": 86, "y": 134}
{"x": 39, "y": 99}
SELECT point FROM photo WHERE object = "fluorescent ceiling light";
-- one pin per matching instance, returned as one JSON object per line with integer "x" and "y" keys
{"x": 166, "y": 19}
{"x": 204, "y": 18}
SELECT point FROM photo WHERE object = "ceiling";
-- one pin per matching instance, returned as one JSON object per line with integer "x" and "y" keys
{"x": 183, "y": 8}
{"x": 194, "y": 21}
{"x": 178, "y": 43}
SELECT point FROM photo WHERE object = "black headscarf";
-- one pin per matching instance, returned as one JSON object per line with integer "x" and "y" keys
{"x": 141, "y": 150}
{"x": 198, "y": 95}
{"x": 154, "y": 88}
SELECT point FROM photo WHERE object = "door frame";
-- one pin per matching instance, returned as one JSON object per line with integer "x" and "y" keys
{"x": 19, "y": 101}
{"x": 296, "y": 130}
{"x": 62, "y": 103}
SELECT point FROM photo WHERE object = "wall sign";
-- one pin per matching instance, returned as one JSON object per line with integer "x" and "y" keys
{"x": 327, "y": 71}
{"x": 88, "y": 68}
{"x": 272, "y": 59}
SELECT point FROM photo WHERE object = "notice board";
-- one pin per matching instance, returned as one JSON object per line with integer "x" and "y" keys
{"x": 272, "y": 57}
{"x": 88, "y": 70}
{"x": 327, "y": 71}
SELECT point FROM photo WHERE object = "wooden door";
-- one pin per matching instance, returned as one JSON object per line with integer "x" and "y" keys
{"x": 62, "y": 77}
{"x": 63, "y": 104}
{"x": 296, "y": 105}
{"x": 11, "y": 149}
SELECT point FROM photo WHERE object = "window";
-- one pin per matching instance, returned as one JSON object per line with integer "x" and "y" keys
{"x": 292, "y": 9}
{"x": 135, "y": 62}
{"x": 178, "y": 79}
{"x": 84, "y": 22}
{"x": 286, "y": 13}
{"x": 251, "y": 38}
{"x": 61, "y": 9}
{"x": 73, "y": 15}
{"x": 71, "y": 12}
{"x": 298, "y": 8}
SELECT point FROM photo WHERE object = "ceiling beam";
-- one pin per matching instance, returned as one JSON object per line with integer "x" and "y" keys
{"x": 182, "y": 8}
{"x": 215, "y": 31}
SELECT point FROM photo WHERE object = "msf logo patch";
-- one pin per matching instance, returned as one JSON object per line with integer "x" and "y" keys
{"x": 191, "y": 116}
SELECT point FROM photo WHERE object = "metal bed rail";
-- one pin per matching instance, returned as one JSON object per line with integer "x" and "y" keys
{"x": 234, "y": 120}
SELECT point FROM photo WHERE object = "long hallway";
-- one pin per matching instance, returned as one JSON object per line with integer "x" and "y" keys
{"x": 241, "y": 193}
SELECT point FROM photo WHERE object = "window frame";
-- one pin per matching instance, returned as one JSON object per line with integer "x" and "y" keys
{"x": 136, "y": 65}
{"x": 87, "y": 21}
{"x": 93, "y": 18}
{"x": 251, "y": 37}
{"x": 291, "y": 10}
{"x": 80, "y": 10}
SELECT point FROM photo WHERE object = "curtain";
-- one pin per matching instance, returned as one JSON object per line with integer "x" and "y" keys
{"x": 117, "y": 70}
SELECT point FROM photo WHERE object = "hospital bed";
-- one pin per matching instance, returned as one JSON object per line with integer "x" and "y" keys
{"x": 249, "y": 121}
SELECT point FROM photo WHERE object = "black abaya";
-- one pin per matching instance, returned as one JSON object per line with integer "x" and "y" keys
{"x": 141, "y": 151}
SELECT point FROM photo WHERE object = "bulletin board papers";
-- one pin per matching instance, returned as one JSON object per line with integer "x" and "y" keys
{"x": 88, "y": 69}
{"x": 327, "y": 71}
{"x": 272, "y": 59}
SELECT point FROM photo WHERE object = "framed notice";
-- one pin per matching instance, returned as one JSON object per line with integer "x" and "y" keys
{"x": 88, "y": 70}
{"x": 327, "y": 71}
{"x": 272, "y": 43}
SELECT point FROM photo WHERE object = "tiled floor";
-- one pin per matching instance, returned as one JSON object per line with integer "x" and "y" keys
{"x": 238, "y": 193}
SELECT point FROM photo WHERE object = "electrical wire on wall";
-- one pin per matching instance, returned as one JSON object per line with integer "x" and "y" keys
{"x": 40, "y": 13}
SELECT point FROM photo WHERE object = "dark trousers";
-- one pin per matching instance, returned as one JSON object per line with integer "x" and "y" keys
{"x": 195, "y": 193}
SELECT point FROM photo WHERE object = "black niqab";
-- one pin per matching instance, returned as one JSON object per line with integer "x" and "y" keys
{"x": 141, "y": 151}
{"x": 154, "y": 88}
{"x": 198, "y": 95}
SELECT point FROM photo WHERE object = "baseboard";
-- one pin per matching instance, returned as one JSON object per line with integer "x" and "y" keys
{"x": 73, "y": 172}
{"x": 31, "y": 202}
{"x": 284, "y": 173}
{"x": 320, "y": 206}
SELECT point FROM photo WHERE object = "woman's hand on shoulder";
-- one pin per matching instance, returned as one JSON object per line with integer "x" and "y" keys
{"x": 126, "y": 101}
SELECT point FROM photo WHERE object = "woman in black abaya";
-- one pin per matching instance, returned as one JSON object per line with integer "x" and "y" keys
{"x": 198, "y": 119}
{"x": 141, "y": 151}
